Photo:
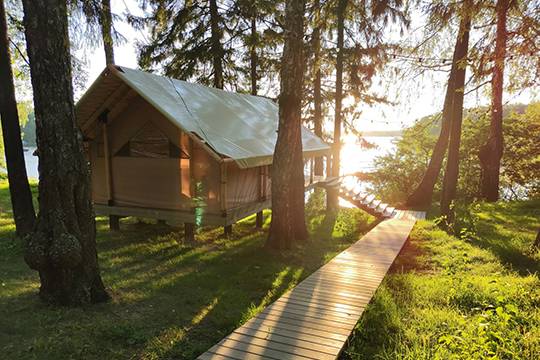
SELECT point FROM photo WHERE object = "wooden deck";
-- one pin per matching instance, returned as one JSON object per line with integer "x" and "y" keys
{"x": 315, "y": 319}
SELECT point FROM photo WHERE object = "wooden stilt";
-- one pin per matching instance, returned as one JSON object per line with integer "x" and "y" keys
{"x": 114, "y": 222}
{"x": 189, "y": 232}
{"x": 227, "y": 230}
{"x": 259, "y": 220}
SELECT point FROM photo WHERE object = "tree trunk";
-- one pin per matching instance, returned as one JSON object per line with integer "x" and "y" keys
{"x": 106, "y": 31}
{"x": 253, "y": 54}
{"x": 332, "y": 198}
{"x": 21, "y": 196}
{"x": 452, "y": 164}
{"x": 537, "y": 241}
{"x": 63, "y": 245}
{"x": 217, "y": 48}
{"x": 288, "y": 219}
{"x": 491, "y": 152}
{"x": 422, "y": 195}
{"x": 317, "y": 97}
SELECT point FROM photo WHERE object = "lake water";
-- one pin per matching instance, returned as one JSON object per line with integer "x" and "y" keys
{"x": 354, "y": 157}
{"x": 358, "y": 158}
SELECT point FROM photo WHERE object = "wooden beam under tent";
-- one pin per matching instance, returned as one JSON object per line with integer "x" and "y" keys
{"x": 114, "y": 221}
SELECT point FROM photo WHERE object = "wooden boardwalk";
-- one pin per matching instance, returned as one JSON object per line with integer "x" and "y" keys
{"x": 315, "y": 319}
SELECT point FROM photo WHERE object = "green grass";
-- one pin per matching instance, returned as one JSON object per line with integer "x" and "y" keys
{"x": 170, "y": 300}
{"x": 472, "y": 296}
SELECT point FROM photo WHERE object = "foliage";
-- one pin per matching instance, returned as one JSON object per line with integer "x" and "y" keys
{"x": 522, "y": 160}
{"x": 471, "y": 297}
{"x": 26, "y": 120}
{"x": 365, "y": 54}
{"x": 171, "y": 300}
{"x": 399, "y": 172}
{"x": 181, "y": 43}
{"x": 2, "y": 158}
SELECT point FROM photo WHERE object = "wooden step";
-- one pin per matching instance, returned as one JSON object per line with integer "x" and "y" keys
{"x": 389, "y": 211}
{"x": 382, "y": 206}
{"x": 368, "y": 199}
{"x": 374, "y": 204}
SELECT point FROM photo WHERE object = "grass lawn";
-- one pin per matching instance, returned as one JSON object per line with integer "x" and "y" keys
{"x": 170, "y": 300}
{"x": 474, "y": 296}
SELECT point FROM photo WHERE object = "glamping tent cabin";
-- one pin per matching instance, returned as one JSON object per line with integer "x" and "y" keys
{"x": 176, "y": 151}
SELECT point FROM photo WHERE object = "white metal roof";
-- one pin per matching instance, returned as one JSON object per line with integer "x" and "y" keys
{"x": 239, "y": 126}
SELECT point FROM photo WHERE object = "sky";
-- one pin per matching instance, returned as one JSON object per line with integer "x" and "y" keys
{"x": 425, "y": 96}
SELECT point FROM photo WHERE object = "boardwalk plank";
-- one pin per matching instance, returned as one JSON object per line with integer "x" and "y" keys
{"x": 330, "y": 350}
{"x": 299, "y": 324}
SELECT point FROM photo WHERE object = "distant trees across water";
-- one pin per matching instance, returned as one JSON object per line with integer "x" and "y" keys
{"x": 397, "y": 173}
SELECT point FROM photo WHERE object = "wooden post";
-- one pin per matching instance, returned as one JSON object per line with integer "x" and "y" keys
{"x": 114, "y": 221}
{"x": 223, "y": 188}
{"x": 311, "y": 169}
{"x": 259, "y": 220}
{"x": 189, "y": 232}
{"x": 227, "y": 230}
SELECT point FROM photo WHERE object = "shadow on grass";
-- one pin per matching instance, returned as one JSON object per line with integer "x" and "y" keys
{"x": 170, "y": 299}
{"x": 507, "y": 230}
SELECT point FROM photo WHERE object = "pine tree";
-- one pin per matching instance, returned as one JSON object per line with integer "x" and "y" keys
{"x": 491, "y": 152}
{"x": 332, "y": 194}
{"x": 106, "y": 31}
{"x": 422, "y": 195}
{"x": 21, "y": 196}
{"x": 189, "y": 42}
{"x": 452, "y": 164}
{"x": 98, "y": 15}
{"x": 288, "y": 219}
{"x": 318, "y": 168}
{"x": 62, "y": 247}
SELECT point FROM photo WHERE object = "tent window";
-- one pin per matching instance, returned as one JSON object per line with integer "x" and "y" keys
{"x": 150, "y": 142}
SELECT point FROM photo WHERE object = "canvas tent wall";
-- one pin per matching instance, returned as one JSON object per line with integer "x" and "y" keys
{"x": 165, "y": 144}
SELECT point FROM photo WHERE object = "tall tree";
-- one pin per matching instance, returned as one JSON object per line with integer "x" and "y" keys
{"x": 106, "y": 23}
{"x": 217, "y": 47}
{"x": 332, "y": 197}
{"x": 491, "y": 153}
{"x": 21, "y": 196}
{"x": 452, "y": 164}
{"x": 288, "y": 218}
{"x": 422, "y": 195}
{"x": 253, "y": 58}
{"x": 188, "y": 42}
{"x": 98, "y": 15}
{"x": 62, "y": 247}
{"x": 318, "y": 168}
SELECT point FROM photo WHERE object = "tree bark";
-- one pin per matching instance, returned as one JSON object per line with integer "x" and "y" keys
{"x": 492, "y": 151}
{"x": 317, "y": 97}
{"x": 62, "y": 247}
{"x": 332, "y": 196}
{"x": 21, "y": 196}
{"x": 452, "y": 164}
{"x": 537, "y": 241}
{"x": 253, "y": 53}
{"x": 106, "y": 31}
{"x": 217, "y": 47}
{"x": 288, "y": 218}
{"x": 422, "y": 195}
